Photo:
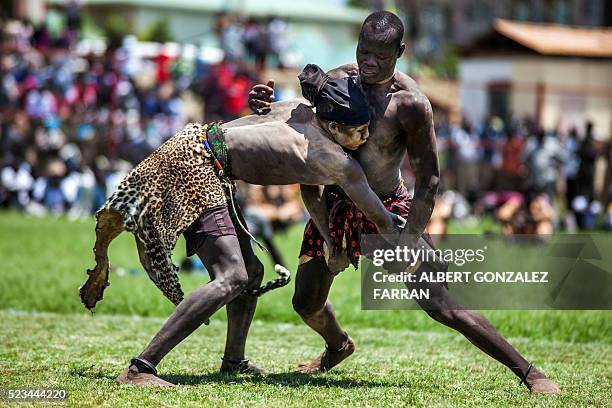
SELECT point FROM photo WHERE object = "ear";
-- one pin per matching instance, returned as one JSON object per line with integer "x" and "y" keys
{"x": 333, "y": 126}
{"x": 401, "y": 49}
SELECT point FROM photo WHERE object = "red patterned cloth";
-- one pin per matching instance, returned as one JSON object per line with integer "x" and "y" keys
{"x": 347, "y": 224}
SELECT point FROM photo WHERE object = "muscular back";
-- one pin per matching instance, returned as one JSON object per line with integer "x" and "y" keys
{"x": 284, "y": 147}
{"x": 288, "y": 146}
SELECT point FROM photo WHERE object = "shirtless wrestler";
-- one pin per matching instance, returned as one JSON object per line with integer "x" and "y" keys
{"x": 401, "y": 124}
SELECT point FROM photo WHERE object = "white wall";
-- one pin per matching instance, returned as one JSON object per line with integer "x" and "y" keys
{"x": 576, "y": 90}
{"x": 474, "y": 75}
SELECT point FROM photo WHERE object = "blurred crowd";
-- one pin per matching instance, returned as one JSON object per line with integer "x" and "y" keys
{"x": 529, "y": 180}
{"x": 74, "y": 121}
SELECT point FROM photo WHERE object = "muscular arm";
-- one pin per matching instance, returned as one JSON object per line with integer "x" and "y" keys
{"x": 354, "y": 183}
{"x": 421, "y": 146}
{"x": 317, "y": 208}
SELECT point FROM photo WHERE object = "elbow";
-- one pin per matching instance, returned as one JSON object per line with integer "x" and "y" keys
{"x": 434, "y": 183}
{"x": 427, "y": 186}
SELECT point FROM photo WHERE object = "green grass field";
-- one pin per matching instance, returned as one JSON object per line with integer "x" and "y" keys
{"x": 403, "y": 357}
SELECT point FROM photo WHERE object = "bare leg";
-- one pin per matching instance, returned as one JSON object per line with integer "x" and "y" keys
{"x": 240, "y": 311}
{"x": 222, "y": 257}
{"x": 109, "y": 224}
{"x": 313, "y": 281}
{"x": 479, "y": 331}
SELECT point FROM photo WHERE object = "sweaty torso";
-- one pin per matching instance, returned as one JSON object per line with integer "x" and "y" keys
{"x": 382, "y": 155}
{"x": 282, "y": 147}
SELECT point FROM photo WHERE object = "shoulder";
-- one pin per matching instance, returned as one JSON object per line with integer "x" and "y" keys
{"x": 326, "y": 154}
{"x": 412, "y": 104}
{"x": 289, "y": 104}
{"x": 343, "y": 71}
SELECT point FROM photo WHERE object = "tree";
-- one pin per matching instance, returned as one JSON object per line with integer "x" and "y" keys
{"x": 158, "y": 31}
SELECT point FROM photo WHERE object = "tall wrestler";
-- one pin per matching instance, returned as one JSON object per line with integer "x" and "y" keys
{"x": 402, "y": 123}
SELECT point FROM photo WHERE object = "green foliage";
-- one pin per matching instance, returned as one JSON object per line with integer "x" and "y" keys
{"x": 447, "y": 65}
{"x": 158, "y": 31}
{"x": 359, "y": 3}
{"x": 89, "y": 29}
{"x": 115, "y": 28}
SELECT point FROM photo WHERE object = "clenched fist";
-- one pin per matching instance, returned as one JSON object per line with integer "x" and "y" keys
{"x": 261, "y": 97}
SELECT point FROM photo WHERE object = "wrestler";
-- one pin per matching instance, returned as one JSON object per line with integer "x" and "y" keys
{"x": 175, "y": 190}
{"x": 402, "y": 123}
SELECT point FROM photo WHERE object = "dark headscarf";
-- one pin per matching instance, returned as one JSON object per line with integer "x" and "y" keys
{"x": 338, "y": 100}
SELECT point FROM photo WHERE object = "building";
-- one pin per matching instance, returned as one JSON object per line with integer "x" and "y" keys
{"x": 433, "y": 25}
{"x": 558, "y": 75}
{"x": 318, "y": 31}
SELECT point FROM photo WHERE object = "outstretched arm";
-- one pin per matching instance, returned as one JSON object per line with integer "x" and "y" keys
{"x": 354, "y": 183}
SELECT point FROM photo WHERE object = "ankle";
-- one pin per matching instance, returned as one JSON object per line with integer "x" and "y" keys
{"x": 233, "y": 362}
{"x": 142, "y": 366}
{"x": 534, "y": 375}
{"x": 530, "y": 375}
{"x": 339, "y": 345}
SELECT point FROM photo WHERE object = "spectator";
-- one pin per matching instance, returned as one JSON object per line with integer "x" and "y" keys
{"x": 543, "y": 157}
{"x": 465, "y": 141}
{"x": 586, "y": 171}
{"x": 512, "y": 168}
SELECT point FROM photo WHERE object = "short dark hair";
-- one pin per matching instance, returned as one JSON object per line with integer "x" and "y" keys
{"x": 385, "y": 26}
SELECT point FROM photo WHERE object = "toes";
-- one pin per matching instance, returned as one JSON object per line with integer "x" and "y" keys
{"x": 545, "y": 387}
{"x": 142, "y": 379}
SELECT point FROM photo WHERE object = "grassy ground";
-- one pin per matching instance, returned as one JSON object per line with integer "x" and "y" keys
{"x": 403, "y": 356}
{"x": 390, "y": 367}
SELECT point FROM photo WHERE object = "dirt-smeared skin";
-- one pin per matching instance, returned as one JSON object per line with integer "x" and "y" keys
{"x": 401, "y": 124}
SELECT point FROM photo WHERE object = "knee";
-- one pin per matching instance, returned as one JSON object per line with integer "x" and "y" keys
{"x": 232, "y": 284}
{"x": 233, "y": 279}
{"x": 306, "y": 306}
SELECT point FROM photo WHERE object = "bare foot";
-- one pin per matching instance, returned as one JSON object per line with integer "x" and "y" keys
{"x": 539, "y": 384}
{"x": 327, "y": 359}
{"x": 545, "y": 386}
{"x": 133, "y": 377}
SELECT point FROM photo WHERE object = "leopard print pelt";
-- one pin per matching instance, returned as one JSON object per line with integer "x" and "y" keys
{"x": 284, "y": 276}
{"x": 165, "y": 194}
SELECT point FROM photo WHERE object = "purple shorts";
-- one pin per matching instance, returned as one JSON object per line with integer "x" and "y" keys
{"x": 214, "y": 222}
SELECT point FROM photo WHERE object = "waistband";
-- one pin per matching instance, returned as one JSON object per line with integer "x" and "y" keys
{"x": 400, "y": 191}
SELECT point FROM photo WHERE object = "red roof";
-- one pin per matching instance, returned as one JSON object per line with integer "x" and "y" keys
{"x": 555, "y": 39}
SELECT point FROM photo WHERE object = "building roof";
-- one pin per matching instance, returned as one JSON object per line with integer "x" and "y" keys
{"x": 319, "y": 10}
{"x": 508, "y": 37}
{"x": 554, "y": 39}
